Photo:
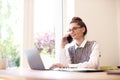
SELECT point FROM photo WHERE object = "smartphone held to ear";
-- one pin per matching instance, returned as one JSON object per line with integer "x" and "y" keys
{"x": 69, "y": 38}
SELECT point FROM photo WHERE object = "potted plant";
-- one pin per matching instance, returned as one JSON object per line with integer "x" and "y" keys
{"x": 9, "y": 52}
{"x": 45, "y": 43}
{"x": 3, "y": 61}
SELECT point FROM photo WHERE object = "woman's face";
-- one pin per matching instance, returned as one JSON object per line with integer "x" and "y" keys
{"x": 76, "y": 31}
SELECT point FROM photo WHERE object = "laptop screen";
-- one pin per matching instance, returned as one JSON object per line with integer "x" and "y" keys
{"x": 34, "y": 60}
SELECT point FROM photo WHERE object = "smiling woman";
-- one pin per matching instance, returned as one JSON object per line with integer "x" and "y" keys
{"x": 80, "y": 53}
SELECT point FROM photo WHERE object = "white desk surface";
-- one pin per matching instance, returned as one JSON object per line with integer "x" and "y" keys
{"x": 54, "y": 75}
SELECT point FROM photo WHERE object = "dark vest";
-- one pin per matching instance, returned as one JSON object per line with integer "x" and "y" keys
{"x": 82, "y": 54}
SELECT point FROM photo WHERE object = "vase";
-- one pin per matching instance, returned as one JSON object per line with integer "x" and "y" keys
{"x": 3, "y": 63}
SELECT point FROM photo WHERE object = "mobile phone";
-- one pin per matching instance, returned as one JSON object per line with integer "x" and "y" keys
{"x": 69, "y": 38}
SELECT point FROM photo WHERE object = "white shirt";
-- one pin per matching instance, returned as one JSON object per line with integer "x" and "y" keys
{"x": 92, "y": 63}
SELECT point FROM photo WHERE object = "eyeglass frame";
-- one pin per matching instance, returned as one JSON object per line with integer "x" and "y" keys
{"x": 73, "y": 29}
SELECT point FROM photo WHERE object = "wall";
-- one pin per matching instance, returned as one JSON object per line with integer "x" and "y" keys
{"x": 100, "y": 17}
{"x": 118, "y": 23}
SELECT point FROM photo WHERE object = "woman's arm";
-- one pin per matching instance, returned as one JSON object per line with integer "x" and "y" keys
{"x": 62, "y": 58}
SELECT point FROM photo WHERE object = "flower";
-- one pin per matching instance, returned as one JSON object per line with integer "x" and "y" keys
{"x": 45, "y": 42}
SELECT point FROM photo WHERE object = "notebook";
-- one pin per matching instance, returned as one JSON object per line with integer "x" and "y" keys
{"x": 113, "y": 72}
{"x": 35, "y": 62}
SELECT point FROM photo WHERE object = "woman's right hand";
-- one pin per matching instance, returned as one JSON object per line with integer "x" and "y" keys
{"x": 64, "y": 40}
{"x": 57, "y": 65}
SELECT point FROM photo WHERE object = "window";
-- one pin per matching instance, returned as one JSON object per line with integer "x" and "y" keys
{"x": 42, "y": 19}
{"x": 45, "y": 29}
{"x": 11, "y": 24}
{"x": 22, "y": 20}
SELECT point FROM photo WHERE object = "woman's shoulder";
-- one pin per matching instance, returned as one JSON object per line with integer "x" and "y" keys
{"x": 92, "y": 42}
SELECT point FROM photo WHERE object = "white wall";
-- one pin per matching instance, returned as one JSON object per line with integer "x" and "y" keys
{"x": 118, "y": 23}
{"x": 101, "y": 18}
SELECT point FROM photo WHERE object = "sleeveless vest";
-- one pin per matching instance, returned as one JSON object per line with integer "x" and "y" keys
{"x": 81, "y": 54}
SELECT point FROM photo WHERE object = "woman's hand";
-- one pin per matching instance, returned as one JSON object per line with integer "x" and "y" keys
{"x": 57, "y": 65}
{"x": 64, "y": 40}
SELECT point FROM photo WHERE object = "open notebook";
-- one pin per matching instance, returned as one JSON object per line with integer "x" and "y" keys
{"x": 113, "y": 72}
{"x": 35, "y": 62}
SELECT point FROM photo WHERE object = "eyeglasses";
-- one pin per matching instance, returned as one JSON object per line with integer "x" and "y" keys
{"x": 73, "y": 29}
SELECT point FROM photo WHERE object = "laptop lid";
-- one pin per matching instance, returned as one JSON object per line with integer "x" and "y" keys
{"x": 34, "y": 60}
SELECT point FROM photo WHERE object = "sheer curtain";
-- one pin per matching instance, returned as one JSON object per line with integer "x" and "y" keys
{"x": 40, "y": 16}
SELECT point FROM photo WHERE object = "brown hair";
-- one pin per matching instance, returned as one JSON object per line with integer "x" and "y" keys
{"x": 79, "y": 22}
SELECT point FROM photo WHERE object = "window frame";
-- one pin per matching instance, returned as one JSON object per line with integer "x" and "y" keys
{"x": 28, "y": 28}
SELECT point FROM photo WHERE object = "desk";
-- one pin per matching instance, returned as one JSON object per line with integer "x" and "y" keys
{"x": 54, "y": 75}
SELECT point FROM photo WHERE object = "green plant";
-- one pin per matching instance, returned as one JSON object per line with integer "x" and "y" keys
{"x": 10, "y": 50}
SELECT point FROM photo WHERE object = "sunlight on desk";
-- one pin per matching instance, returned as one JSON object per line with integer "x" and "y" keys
{"x": 54, "y": 75}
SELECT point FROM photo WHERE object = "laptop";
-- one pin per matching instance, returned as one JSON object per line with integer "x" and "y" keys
{"x": 35, "y": 62}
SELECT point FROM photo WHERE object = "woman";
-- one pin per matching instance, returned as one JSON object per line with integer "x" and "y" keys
{"x": 80, "y": 52}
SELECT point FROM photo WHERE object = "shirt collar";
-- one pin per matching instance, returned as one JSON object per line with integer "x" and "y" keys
{"x": 82, "y": 44}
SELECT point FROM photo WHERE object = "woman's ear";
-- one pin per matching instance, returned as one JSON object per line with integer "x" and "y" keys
{"x": 83, "y": 29}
